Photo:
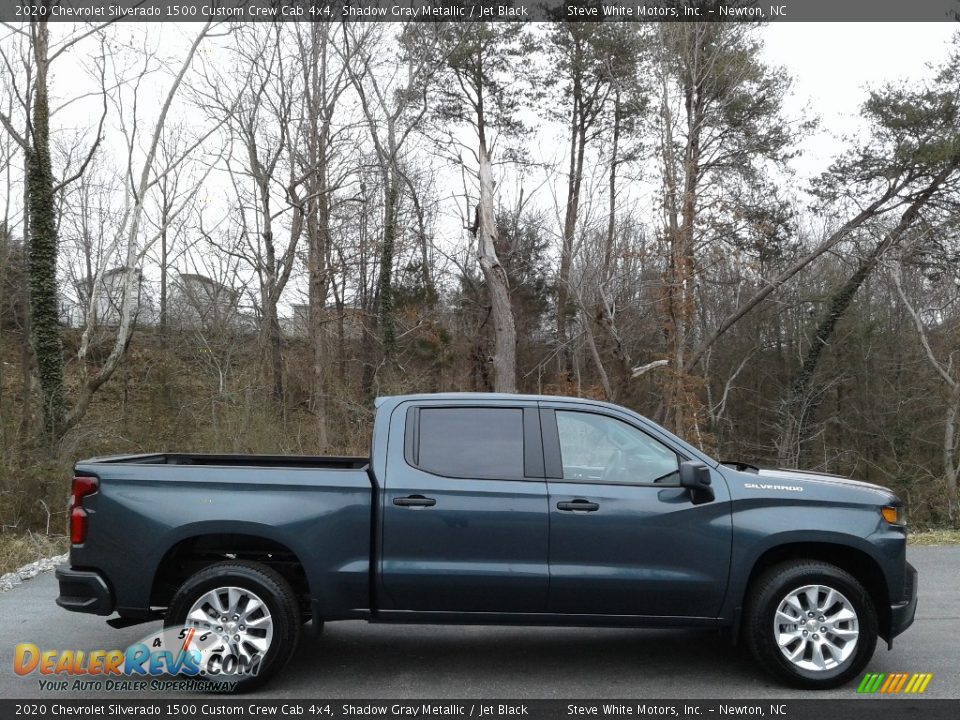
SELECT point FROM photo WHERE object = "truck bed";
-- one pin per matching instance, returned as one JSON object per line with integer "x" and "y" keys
{"x": 318, "y": 462}
{"x": 161, "y": 505}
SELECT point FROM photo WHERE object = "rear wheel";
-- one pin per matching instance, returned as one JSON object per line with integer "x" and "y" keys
{"x": 810, "y": 624}
{"x": 253, "y": 612}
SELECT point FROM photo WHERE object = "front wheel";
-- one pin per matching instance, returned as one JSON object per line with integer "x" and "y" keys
{"x": 811, "y": 624}
{"x": 250, "y": 613}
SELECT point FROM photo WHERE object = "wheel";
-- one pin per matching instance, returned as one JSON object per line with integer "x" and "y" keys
{"x": 810, "y": 623}
{"x": 255, "y": 610}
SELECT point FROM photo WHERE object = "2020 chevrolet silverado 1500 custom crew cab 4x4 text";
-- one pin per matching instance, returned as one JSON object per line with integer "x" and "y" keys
{"x": 477, "y": 508}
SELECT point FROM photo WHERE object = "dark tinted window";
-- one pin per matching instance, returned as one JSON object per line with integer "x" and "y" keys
{"x": 472, "y": 442}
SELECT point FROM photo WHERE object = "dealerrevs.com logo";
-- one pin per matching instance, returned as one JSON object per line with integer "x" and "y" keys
{"x": 894, "y": 683}
{"x": 198, "y": 658}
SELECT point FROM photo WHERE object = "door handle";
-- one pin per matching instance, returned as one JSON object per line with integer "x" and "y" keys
{"x": 414, "y": 501}
{"x": 578, "y": 505}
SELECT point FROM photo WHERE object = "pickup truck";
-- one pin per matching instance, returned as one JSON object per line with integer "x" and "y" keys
{"x": 495, "y": 509}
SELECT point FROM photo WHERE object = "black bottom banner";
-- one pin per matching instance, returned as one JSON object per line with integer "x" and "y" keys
{"x": 248, "y": 707}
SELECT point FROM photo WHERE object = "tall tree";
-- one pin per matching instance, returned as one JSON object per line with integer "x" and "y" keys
{"x": 590, "y": 63}
{"x": 393, "y": 88}
{"x": 41, "y": 202}
{"x": 719, "y": 121}
{"x": 324, "y": 82}
{"x": 480, "y": 89}
{"x": 267, "y": 180}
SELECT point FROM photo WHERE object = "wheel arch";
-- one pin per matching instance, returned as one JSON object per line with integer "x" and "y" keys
{"x": 192, "y": 552}
{"x": 850, "y": 558}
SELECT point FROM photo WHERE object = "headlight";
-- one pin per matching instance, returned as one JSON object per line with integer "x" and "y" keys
{"x": 894, "y": 514}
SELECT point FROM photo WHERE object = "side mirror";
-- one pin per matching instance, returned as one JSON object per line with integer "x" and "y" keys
{"x": 695, "y": 476}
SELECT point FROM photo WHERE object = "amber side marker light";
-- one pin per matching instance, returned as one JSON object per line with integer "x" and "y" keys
{"x": 894, "y": 514}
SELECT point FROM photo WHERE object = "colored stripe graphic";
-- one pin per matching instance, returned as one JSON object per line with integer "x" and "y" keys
{"x": 871, "y": 682}
{"x": 894, "y": 683}
{"x": 900, "y": 682}
{"x": 888, "y": 682}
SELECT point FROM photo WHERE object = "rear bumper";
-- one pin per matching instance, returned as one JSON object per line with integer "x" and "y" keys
{"x": 84, "y": 591}
{"x": 902, "y": 613}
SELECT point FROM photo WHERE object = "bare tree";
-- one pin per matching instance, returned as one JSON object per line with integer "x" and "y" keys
{"x": 324, "y": 82}
{"x": 169, "y": 191}
{"x": 393, "y": 94}
{"x": 589, "y": 61}
{"x": 266, "y": 179}
{"x": 948, "y": 373}
{"x": 479, "y": 90}
{"x": 128, "y": 235}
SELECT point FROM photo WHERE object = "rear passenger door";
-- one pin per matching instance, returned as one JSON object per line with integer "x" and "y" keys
{"x": 464, "y": 510}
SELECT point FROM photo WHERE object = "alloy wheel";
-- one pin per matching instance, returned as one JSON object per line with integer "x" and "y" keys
{"x": 816, "y": 627}
{"x": 238, "y": 616}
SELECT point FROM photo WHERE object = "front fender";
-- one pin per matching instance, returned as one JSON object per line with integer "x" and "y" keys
{"x": 820, "y": 526}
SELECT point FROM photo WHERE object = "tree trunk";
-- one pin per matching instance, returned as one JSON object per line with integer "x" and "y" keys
{"x": 273, "y": 340}
{"x": 612, "y": 190}
{"x": 950, "y": 459}
{"x": 426, "y": 272}
{"x": 388, "y": 325}
{"x": 681, "y": 405}
{"x": 671, "y": 232}
{"x": 574, "y": 181}
{"x": 505, "y": 334}
{"x": 43, "y": 251}
{"x": 624, "y": 364}
{"x": 26, "y": 346}
{"x": 595, "y": 356}
{"x": 319, "y": 241}
{"x": 164, "y": 251}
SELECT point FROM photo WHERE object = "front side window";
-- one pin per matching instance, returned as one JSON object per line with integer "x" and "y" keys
{"x": 471, "y": 442}
{"x": 604, "y": 449}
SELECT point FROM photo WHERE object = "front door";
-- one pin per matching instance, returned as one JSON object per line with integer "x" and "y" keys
{"x": 464, "y": 511}
{"x": 625, "y": 539}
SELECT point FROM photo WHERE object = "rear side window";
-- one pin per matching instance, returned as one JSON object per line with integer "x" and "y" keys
{"x": 470, "y": 442}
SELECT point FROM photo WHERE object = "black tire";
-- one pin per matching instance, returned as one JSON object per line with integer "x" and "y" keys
{"x": 269, "y": 586}
{"x": 764, "y": 598}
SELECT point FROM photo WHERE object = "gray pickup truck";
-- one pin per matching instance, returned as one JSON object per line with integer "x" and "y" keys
{"x": 495, "y": 509}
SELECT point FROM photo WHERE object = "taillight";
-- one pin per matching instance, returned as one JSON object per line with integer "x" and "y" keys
{"x": 82, "y": 486}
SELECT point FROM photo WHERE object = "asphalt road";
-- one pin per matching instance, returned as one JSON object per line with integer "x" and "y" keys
{"x": 357, "y": 660}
